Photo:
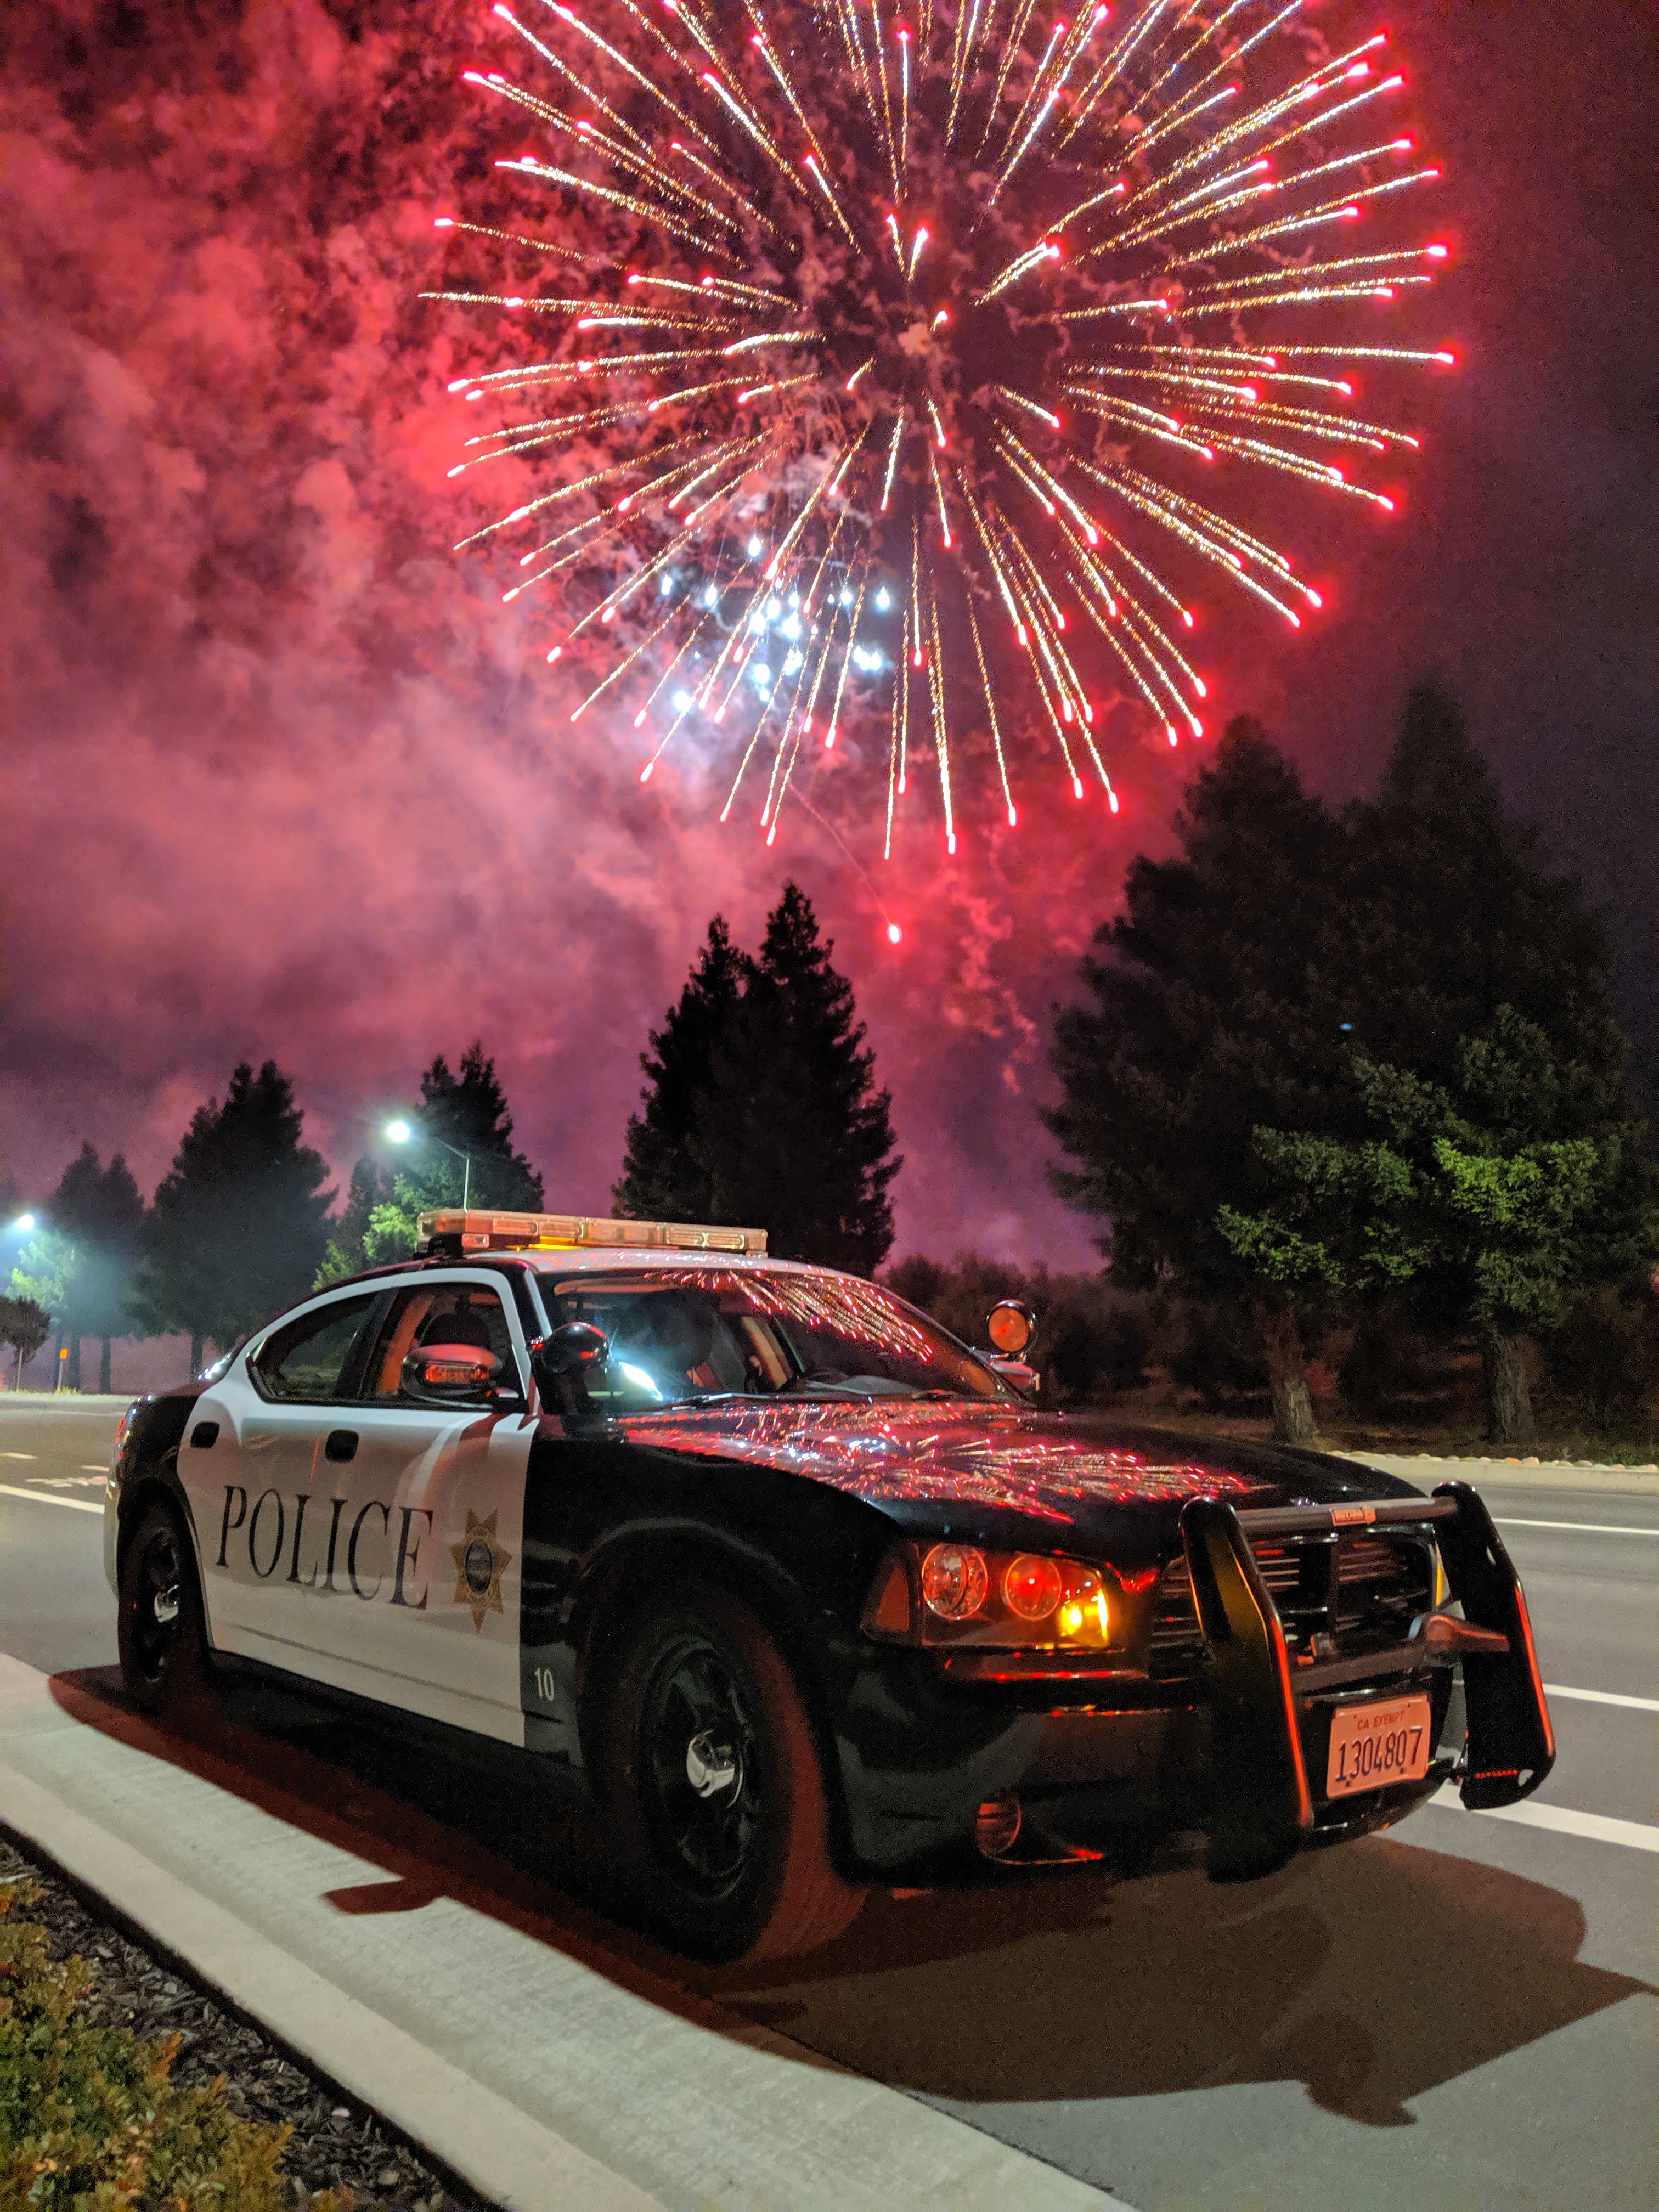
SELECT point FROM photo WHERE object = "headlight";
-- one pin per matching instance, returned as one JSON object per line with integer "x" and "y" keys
{"x": 954, "y": 1594}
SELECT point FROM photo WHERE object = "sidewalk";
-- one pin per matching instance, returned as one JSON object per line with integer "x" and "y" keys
{"x": 1511, "y": 1474}
{"x": 467, "y": 2021}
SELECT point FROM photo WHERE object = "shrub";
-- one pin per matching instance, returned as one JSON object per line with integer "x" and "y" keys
{"x": 1092, "y": 1342}
{"x": 89, "y": 2117}
{"x": 1605, "y": 1357}
{"x": 1385, "y": 1363}
{"x": 1220, "y": 1355}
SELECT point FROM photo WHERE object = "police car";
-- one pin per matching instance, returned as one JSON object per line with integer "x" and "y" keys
{"x": 806, "y": 1594}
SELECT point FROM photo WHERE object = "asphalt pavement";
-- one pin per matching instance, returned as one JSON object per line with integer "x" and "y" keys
{"x": 1458, "y": 2015}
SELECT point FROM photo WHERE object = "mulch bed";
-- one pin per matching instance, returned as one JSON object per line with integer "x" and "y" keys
{"x": 334, "y": 2145}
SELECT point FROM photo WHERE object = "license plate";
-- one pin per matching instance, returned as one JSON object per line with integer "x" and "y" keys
{"x": 1373, "y": 1747}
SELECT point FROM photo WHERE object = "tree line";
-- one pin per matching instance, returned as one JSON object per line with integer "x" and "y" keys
{"x": 1353, "y": 1068}
{"x": 761, "y": 1109}
{"x": 241, "y": 1224}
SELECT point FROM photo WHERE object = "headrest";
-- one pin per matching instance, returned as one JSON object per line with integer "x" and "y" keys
{"x": 462, "y": 1328}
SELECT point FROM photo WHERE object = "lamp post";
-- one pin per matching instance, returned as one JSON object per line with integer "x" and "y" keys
{"x": 401, "y": 1133}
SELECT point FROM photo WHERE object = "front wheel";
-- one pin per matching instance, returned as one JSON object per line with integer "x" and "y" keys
{"x": 711, "y": 1773}
{"x": 160, "y": 1631}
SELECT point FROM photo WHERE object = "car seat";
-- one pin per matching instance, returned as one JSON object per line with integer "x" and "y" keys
{"x": 464, "y": 1327}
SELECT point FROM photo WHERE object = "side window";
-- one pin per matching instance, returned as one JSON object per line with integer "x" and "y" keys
{"x": 308, "y": 1361}
{"x": 439, "y": 1313}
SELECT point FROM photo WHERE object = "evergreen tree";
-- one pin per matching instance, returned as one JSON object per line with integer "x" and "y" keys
{"x": 660, "y": 1180}
{"x": 763, "y": 1110}
{"x": 469, "y": 1111}
{"x": 1219, "y": 999}
{"x": 347, "y": 1249}
{"x": 100, "y": 1214}
{"x": 240, "y": 1222}
{"x": 792, "y": 1133}
{"x": 1497, "y": 1165}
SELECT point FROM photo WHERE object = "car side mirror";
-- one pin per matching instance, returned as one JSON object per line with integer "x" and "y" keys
{"x": 563, "y": 1361}
{"x": 450, "y": 1375}
{"x": 1010, "y": 1327}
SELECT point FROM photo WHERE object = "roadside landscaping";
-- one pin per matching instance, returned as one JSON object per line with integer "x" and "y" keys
{"x": 123, "y": 2084}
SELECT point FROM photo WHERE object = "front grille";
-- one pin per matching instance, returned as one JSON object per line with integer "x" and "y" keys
{"x": 1380, "y": 1585}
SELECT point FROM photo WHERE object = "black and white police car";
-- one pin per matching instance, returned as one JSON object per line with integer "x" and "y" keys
{"x": 804, "y": 1592}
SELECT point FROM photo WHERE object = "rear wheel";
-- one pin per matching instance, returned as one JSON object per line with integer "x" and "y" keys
{"x": 160, "y": 1631}
{"x": 711, "y": 1774}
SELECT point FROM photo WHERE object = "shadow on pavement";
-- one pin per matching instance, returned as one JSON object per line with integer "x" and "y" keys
{"x": 1371, "y": 1973}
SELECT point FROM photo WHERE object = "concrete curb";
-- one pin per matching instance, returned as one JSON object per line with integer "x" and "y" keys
{"x": 1511, "y": 1474}
{"x": 477, "y": 2038}
{"x": 486, "y": 2142}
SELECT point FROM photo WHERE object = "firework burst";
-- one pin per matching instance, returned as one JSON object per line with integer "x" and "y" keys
{"x": 908, "y": 372}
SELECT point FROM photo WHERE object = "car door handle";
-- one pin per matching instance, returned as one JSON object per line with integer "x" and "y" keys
{"x": 342, "y": 1444}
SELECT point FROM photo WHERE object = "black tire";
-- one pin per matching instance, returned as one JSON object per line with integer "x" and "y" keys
{"x": 710, "y": 1773}
{"x": 159, "y": 1631}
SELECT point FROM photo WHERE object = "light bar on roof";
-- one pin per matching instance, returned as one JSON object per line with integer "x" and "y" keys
{"x": 565, "y": 1232}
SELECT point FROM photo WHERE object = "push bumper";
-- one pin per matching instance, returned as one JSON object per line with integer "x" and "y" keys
{"x": 1270, "y": 1724}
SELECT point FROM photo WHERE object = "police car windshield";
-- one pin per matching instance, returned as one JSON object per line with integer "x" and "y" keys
{"x": 690, "y": 1332}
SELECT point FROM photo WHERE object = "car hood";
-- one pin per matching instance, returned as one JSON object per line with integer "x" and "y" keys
{"x": 914, "y": 1457}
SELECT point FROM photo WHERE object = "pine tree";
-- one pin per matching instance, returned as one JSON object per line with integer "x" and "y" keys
{"x": 240, "y": 1222}
{"x": 1220, "y": 996}
{"x": 1498, "y": 1164}
{"x": 792, "y": 1133}
{"x": 469, "y": 1111}
{"x": 99, "y": 1215}
{"x": 660, "y": 1180}
{"x": 347, "y": 1249}
{"x": 761, "y": 1109}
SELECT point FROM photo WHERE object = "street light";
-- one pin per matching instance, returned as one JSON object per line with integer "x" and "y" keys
{"x": 401, "y": 1133}
{"x": 23, "y": 1226}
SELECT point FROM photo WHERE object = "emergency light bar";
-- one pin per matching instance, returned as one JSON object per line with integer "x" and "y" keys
{"x": 475, "y": 1231}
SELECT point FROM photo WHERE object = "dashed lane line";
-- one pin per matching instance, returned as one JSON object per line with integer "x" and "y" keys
{"x": 45, "y": 1497}
{"x": 1584, "y": 1527}
{"x": 1603, "y": 1697}
{"x": 5, "y": 1455}
{"x": 1635, "y": 1835}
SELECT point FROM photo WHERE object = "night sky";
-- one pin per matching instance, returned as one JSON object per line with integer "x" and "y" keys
{"x": 279, "y": 776}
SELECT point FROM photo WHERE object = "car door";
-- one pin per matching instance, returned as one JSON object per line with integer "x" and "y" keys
{"x": 429, "y": 1558}
{"x": 254, "y": 1462}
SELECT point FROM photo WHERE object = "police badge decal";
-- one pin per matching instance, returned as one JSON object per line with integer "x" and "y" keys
{"x": 480, "y": 1562}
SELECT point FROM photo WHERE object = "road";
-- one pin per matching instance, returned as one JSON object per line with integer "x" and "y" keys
{"x": 1457, "y": 2016}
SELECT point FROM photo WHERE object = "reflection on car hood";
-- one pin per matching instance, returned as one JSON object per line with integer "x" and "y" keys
{"x": 1009, "y": 1457}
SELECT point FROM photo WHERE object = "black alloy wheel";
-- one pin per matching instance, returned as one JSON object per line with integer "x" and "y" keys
{"x": 701, "y": 1767}
{"x": 158, "y": 1627}
{"x": 709, "y": 1768}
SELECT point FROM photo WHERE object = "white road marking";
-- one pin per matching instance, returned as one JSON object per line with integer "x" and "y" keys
{"x": 1635, "y": 1835}
{"x": 45, "y": 1497}
{"x": 1584, "y": 1527}
{"x": 1603, "y": 1697}
{"x": 87, "y": 1467}
{"x": 17, "y": 1454}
